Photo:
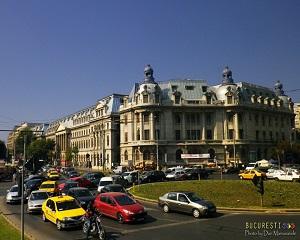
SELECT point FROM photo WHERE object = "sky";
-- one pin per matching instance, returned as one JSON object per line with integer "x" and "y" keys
{"x": 60, "y": 56}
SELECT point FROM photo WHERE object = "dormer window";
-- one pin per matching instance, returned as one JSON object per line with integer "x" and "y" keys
{"x": 229, "y": 100}
{"x": 145, "y": 98}
{"x": 189, "y": 87}
{"x": 204, "y": 89}
{"x": 177, "y": 99}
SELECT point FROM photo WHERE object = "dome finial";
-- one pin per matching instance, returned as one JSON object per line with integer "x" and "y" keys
{"x": 148, "y": 72}
{"x": 278, "y": 88}
{"x": 227, "y": 76}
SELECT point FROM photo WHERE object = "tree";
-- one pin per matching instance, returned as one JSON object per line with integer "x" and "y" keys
{"x": 2, "y": 150}
{"x": 286, "y": 152}
{"x": 75, "y": 152}
{"x": 20, "y": 140}
{"x": 69, "y": 155}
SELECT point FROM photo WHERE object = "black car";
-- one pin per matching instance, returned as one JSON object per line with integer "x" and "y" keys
{"x": 71, "y": 174}
{"x": 196, "y": 173}
{"x": 82, "y": 195}
{"x": 94, "y": 177}
{"x": 32, "y": 185}
{"x": 113, "y": 188}
{"x": 65, "y": 186}
{"x": 152, "y": 176}
{"x": 32, "y": 177}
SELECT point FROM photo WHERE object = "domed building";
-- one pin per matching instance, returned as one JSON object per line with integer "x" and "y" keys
{"x": 185, "y": 122}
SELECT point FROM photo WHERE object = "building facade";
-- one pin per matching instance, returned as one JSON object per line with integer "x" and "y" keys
{"x": 232, "y": 123}
{"x": 90, "y": 135}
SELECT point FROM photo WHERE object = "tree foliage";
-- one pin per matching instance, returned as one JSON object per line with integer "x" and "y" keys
{"x": 41, "y": 149}
{"x": 20, "y": 140}
{"x": 2, "y": 150}
{"x": 286, "y": 152}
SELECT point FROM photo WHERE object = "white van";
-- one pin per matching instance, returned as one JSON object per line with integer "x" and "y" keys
{"x": 104, "y": 181}
{"x": 251, "y": 166}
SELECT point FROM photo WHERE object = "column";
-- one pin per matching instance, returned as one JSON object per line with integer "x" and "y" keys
{"x": 236, "y": 126}
{"x": 203, "y": 126}
{"x": 141, "y": 127}
{"x": 152, "y": 126}
{"x": 183, "y": 128}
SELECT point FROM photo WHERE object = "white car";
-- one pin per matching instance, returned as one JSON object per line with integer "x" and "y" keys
{"x": 251, "y": 166}
{"x": 287, "y": 176}
{"x": 35, "y": 200}
{"x": 272, "y": 172}
{"x": 12, "y": 195}
{"x": 104, "y": 181}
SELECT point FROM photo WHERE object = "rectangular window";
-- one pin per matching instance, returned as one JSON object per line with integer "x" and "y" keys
{"x": 230, "y": 133}
{"x": 271, "y": 135}
{"x": 145, "y": 98}
{"x": 177, "y": 134}
{"x": 157, "y": 134}
{"x": 209, "y": 134}
{"x": 208, "y": 119}
{"x": 146, "y": 134}
{"x": 189, "y": 87}
{"x": 126, "y": 137}
{"x": 146, "y": 117}
{"x": 241, "y": 133}
{"x": 229, "y": 99}
{"x": 257, "y": 135}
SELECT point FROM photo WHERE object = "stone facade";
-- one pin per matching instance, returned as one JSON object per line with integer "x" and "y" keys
{"x": 233, "y": 122}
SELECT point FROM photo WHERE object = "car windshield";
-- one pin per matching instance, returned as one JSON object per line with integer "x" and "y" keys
{"x": 47, "y": 185}
{"x": 124, "y": 200}
{"x": 82, "y": 193}
{"x": 39, "y": 196}
{"x": 104, "y": 183}
{"x": 193, "y": 197}
{"x": 33, "y": 182}
{"x": 67, "y": 205}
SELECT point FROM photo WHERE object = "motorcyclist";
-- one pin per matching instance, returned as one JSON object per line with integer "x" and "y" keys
{"x": 91, "y": 212}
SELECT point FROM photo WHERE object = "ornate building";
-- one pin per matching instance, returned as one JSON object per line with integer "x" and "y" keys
{"x": 93, "y": 132}
{"x": 231, "y": 122}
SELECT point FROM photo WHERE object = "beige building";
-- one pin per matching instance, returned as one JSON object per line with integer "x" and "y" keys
{"x": 297, "y": 115}
{"x": 93, "y": 131}
{"x": 230, "y": 122}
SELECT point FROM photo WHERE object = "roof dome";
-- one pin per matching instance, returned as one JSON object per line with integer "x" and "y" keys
{"x": 227, "y": 76}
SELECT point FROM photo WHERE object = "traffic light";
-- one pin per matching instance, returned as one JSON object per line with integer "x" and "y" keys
{"x": 259, "y": 183}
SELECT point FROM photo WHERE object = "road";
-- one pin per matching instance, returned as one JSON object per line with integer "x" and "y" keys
{"x": 168, "y": 226}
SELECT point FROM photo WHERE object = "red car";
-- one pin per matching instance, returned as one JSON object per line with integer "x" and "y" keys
{"x": 83, "y": 182}
{"x": 119, "y": 206}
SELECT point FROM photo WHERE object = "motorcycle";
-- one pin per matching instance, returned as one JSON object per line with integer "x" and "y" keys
{"x": 94, "y": 225}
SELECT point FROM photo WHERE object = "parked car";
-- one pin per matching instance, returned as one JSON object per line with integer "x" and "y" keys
{"x": 35, "y": 200}
{"x": 119, "y": 206}
{"x": 232, "y": 170}
{"x": 287, "y": 176}
{"x": 83, "y": 195}
{"x": 251, "y": 166}
{"x": 177, "y": 175}
{"x": 32, "y": 177}
{"x": 83, "y": 182}
{"x": 64, "y": 211}
{"x": 64, "y": 187}
{"x": 152, "y": 176}
{"x": 94, "y": 177}
{"x": 249, "y": 174}
{"x": 12, "y": 195}
{"x": 196, "y": 173}
{"x": 272, "y": 172}
{"x": 119, "y": 169}
{"x": 53, "y": 175}
{"x": 187, "y": 202}
{"x": 130, "y": 177}
{"x": 50, "y": 187}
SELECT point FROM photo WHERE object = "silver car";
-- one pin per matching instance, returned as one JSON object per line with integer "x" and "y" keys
{"x": 12, "y": 195}
{"x": 35, "y": 200}
{"x": 187, "y": 202}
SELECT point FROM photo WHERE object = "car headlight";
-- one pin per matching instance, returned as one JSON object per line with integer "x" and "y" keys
{"x": 67, "y": 219}
{"x": 9, "y": 197}
{"x": 128, "y": 212}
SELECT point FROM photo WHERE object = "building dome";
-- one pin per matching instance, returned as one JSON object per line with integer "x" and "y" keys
{"x": 148, "y": 85}
{"x": 227, "y": 76}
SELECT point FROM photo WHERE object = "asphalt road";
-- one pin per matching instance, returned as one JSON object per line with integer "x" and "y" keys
{"x": 169, "y": 226}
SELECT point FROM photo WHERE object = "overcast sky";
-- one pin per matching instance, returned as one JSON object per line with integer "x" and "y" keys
{"x": 59, "y": 56}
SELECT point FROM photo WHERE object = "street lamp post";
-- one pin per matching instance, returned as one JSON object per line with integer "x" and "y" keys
{"x": 157, "y": 161}
{"x": 22, "y": 191}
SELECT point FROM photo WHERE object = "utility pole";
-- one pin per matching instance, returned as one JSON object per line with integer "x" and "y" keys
{"x": 22, "y": 191}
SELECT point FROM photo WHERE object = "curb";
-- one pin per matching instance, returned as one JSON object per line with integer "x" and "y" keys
{"x": 12, "y": 221}
{"x": 237, "y": 210}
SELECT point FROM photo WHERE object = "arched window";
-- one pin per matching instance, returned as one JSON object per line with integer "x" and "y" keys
{"x": 178, "y": 154}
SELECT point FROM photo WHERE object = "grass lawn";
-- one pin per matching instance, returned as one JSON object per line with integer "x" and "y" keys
{"x": 229, "y": 193}
{"x": 7, "y": 231}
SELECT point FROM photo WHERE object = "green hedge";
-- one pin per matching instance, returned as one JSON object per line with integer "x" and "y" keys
{"x": 229, "y": 193}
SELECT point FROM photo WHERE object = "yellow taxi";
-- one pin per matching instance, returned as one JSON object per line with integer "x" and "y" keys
{"x": 50, "y": 187}
{"x": 249, "y": 174}
{"x": 53, "y": 175}
{"x": 64, "y": 211}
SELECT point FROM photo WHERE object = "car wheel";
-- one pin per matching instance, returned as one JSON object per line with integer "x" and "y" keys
{"x": 58, "y": 225}
{"x": 120, "y": 218}
{"x": 166, "y": 208}
{"x": 196, "y": 213}
{"x": 44, "y": 217}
